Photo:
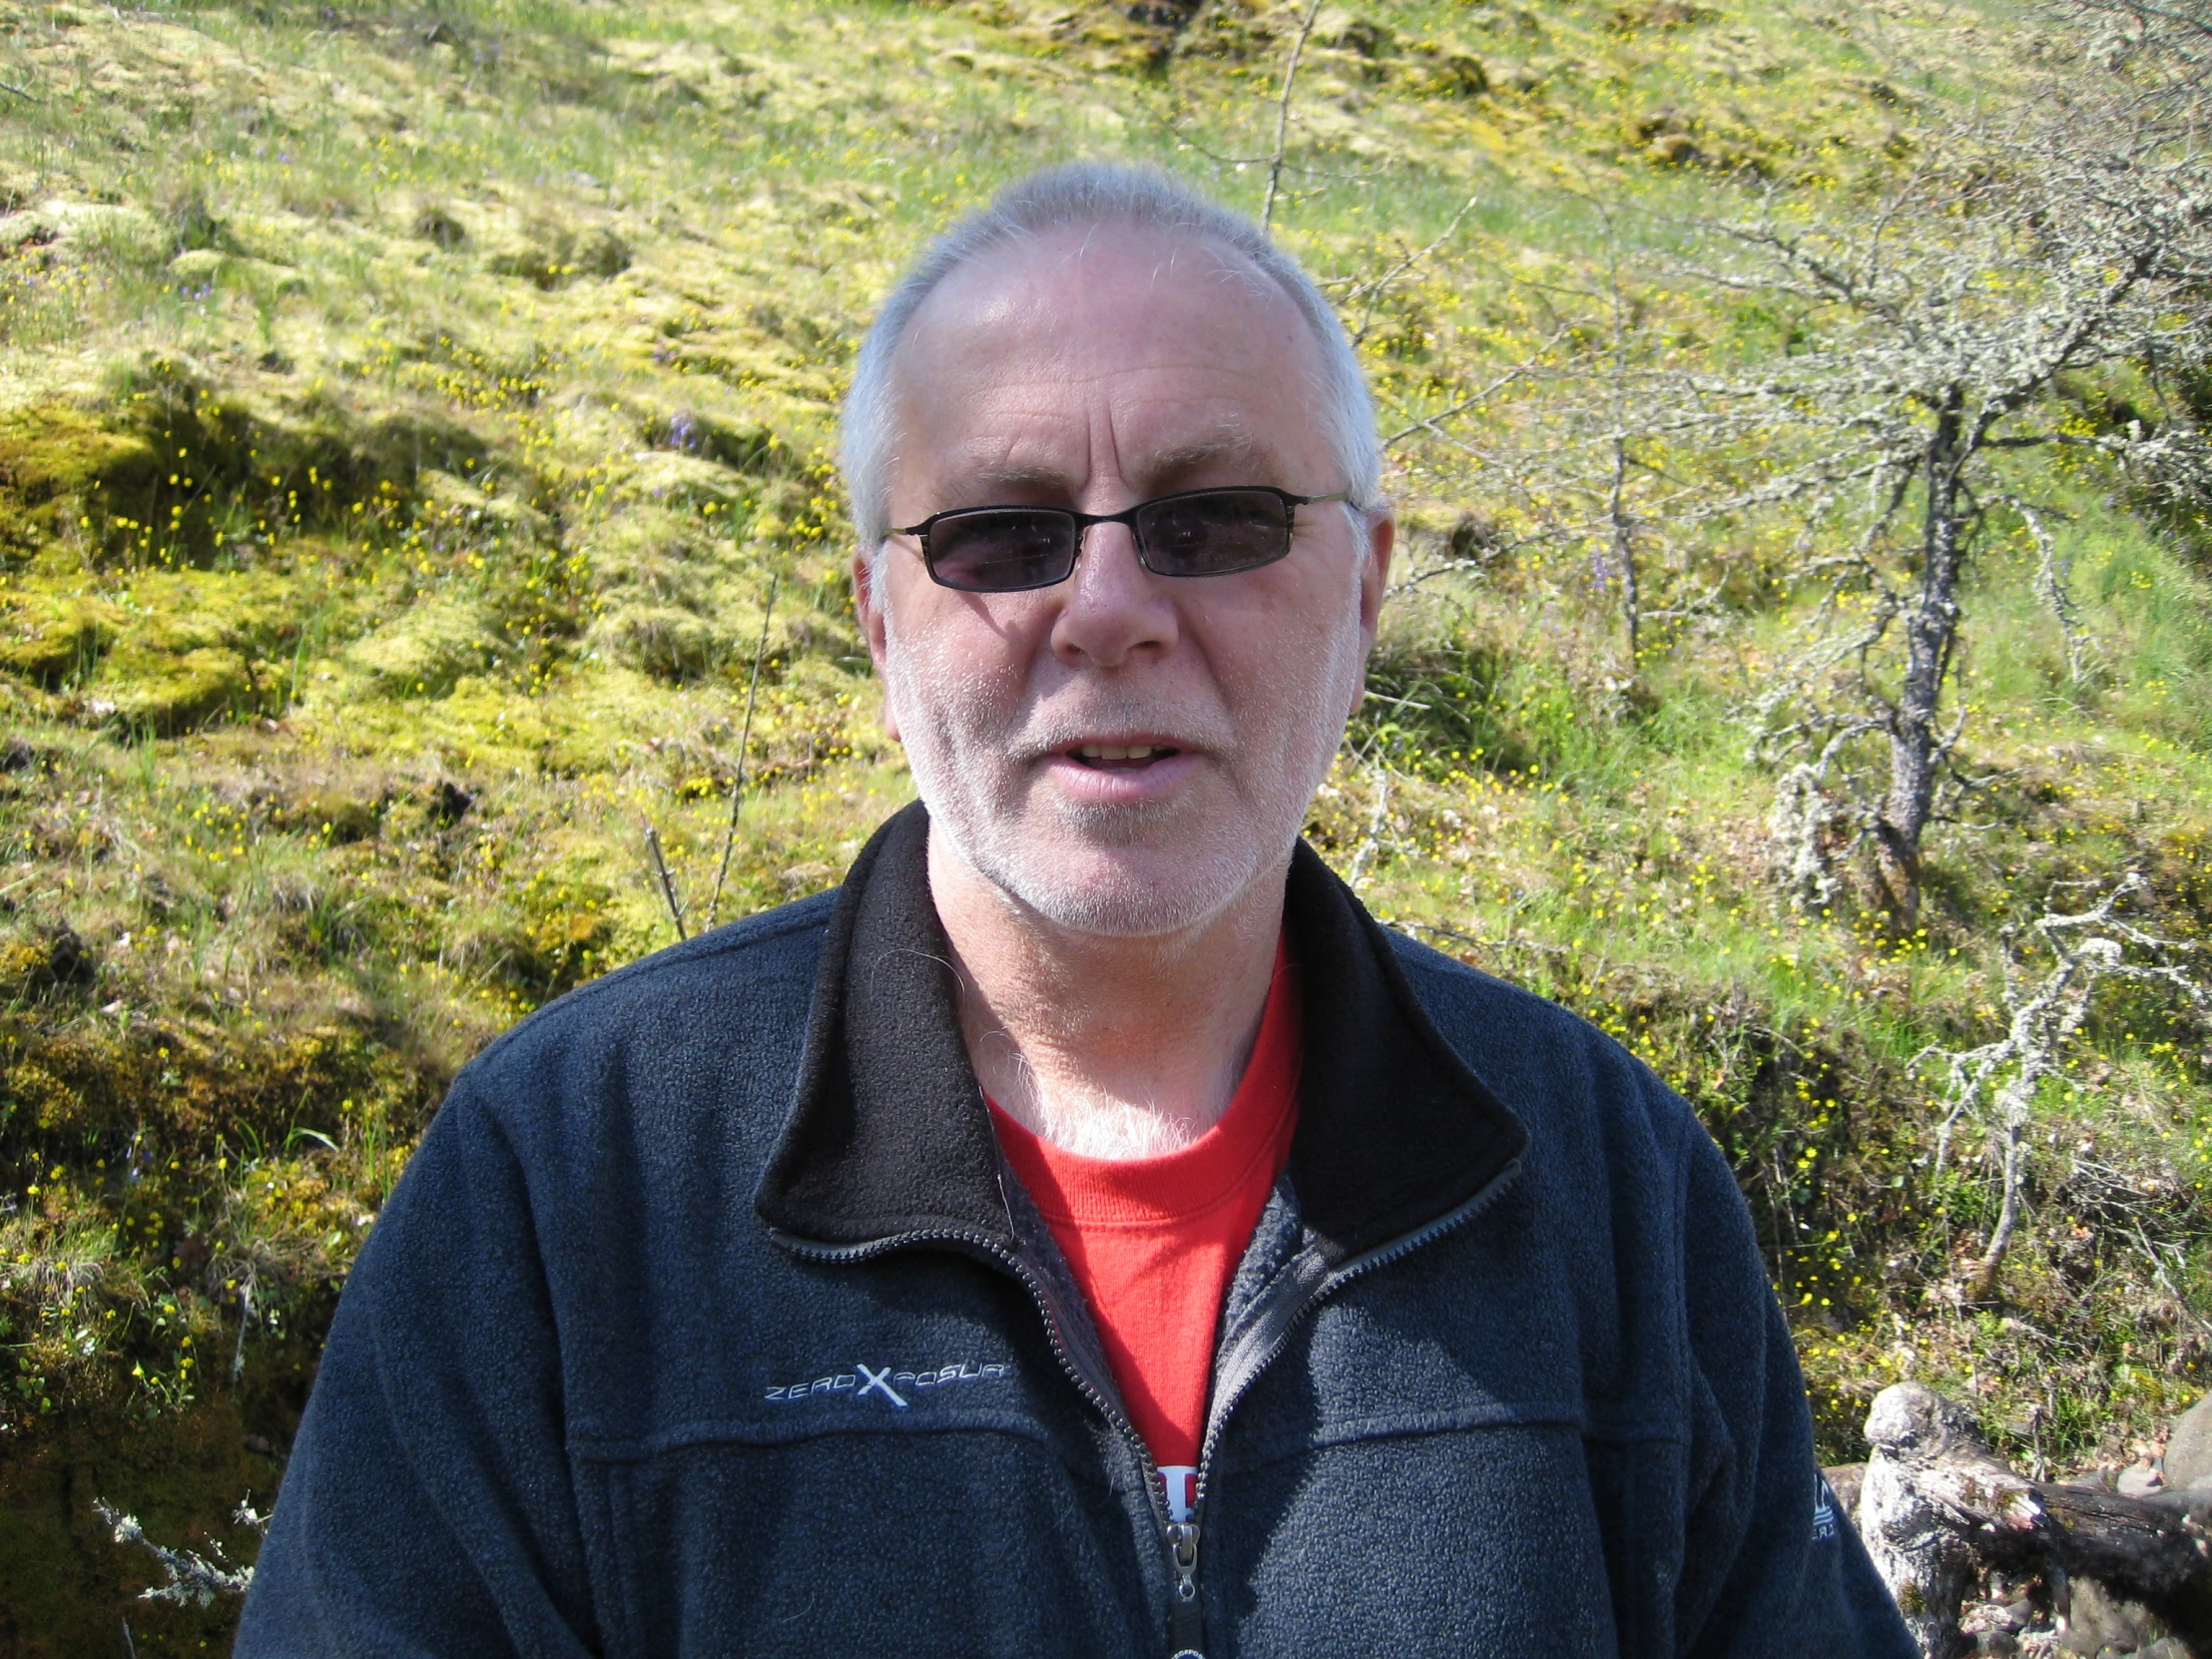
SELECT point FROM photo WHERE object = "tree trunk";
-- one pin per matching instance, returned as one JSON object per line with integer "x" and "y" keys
{"x": 1920, "y": 1556}
{"x": 1937, "y": 1511}
{"x": 1931, "y": 630}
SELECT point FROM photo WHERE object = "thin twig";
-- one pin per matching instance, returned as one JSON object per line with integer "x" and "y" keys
{"x": 1363, "y": 856}
{"x": 745, "y": 749}
{"x": 2058, "y": 597}
{"x": 2158, "y": 1266}
{"x": 1283, "y": 117}
{"x": 668, "y": 884}
{"x": 1428, "y": 423}
{"x": 246, "y": 1317}
{"x": 1373, "y": 291}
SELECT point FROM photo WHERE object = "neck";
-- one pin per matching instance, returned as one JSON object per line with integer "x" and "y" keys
{"x": 1110, "y": 1047}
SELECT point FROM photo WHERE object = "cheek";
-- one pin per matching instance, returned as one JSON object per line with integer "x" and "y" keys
{"x": 1293, "y": 647}
{"x": 950, "y": 659}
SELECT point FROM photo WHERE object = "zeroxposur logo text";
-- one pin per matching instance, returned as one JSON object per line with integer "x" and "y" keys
{"x": 893, "y": 1388}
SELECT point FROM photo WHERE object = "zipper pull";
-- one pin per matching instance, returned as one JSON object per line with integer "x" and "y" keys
{"x": 1185, "y": 1623}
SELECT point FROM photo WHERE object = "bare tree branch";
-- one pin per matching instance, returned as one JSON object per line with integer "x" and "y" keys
{"x": 1282, "y": 114}
{"x": 2087, "y": 947}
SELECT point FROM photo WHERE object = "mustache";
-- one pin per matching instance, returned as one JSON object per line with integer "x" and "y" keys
{"x": 1048, "y": 730}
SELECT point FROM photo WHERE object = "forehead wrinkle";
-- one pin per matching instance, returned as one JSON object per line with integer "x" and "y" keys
{"x": 1165, "y": 462}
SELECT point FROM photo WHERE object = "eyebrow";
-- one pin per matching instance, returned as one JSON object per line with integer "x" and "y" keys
{"x": 1017, "y": 478}
{"x": 1186, "y": 458}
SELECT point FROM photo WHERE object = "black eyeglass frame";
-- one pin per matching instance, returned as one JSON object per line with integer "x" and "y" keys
{"x": 1128, "y": 516}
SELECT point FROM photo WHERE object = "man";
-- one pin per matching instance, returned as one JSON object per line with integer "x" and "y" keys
{"x": 1086, "y": 1231}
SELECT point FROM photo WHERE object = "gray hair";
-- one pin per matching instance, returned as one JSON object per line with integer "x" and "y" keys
{"x": 1085, "y": 193}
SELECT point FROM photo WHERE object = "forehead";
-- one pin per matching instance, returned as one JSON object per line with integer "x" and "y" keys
{"x": 1110, "y": 347}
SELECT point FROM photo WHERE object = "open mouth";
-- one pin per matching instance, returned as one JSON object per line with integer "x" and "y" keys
{"x": 1119, "y": 757}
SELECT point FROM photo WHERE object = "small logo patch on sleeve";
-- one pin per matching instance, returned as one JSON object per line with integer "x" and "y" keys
{"x": 1824, "y": 1508}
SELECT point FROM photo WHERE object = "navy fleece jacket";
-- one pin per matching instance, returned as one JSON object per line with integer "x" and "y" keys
{"x": 708, "y": 1321}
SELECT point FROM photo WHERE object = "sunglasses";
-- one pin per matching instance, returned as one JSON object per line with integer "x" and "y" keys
{"x": 1191, "y": 534}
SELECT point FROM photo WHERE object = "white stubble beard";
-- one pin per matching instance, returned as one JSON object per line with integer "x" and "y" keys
{"x": 972, "y": 751}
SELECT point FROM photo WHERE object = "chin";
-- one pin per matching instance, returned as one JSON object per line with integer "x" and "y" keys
{"x": 1121, "y": 888}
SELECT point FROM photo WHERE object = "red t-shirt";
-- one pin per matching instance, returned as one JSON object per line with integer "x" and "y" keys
{"x": 1153, "y": 1240}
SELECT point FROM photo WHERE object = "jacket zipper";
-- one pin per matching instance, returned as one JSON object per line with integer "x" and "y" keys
{"x": 1266, "y": 1341}
{"x": 1186, "y": 1619}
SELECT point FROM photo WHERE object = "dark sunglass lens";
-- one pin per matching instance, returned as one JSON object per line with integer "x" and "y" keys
{"x": 1213, "y": 532}
{"x": 1002, "y": 550}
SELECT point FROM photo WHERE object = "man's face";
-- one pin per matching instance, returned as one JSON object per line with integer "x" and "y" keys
{"x": 1124, "y": 752}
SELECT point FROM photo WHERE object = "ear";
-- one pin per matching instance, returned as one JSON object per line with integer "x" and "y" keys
{"x": 1380, "y": 538}
{"x": 868, "y": 605}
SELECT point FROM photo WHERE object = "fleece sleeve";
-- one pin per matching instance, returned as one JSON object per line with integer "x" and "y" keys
{"x": 428, "y": 1509}
{"x": 1772, "y": 1569}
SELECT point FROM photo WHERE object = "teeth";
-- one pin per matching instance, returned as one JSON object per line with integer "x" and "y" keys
{"x": 1116, "y": 751}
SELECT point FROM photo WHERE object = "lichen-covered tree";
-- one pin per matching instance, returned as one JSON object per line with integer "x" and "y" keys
{"x": 2031, "y": 269}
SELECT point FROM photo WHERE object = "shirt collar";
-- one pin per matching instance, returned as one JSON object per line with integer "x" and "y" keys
{"x": 888, "y": 1135}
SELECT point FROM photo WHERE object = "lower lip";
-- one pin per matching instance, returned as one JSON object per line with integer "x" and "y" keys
{"x": 1124, "y": 784}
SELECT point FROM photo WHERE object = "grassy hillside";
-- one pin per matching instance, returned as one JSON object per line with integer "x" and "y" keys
{"x": 416, "y": 437}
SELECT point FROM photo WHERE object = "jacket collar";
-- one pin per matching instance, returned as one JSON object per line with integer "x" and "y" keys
{"x": 888, "y": 1135}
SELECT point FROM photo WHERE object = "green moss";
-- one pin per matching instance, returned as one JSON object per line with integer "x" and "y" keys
{"x": 425, "y": 650}
{"x": 334, "y": 810}
{"x": 51, "y": 639}
{"x": 167, "y": 651}
{"x": 179, "y": 690}
{"x": 58, "y": 464}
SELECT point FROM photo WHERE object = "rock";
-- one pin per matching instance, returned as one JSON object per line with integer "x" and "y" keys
{"x": 1843, "y": 1480}
{"x": 2099, "y": 1619}
{"x": 2140, "y": 1481}
{"x": 1993, "y": 1628}
{"x": 449, "y": 803}
{"x": 2189, "y": 1447}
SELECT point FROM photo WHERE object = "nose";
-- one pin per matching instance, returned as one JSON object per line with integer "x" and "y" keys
{"x": 1113, "y": 609}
